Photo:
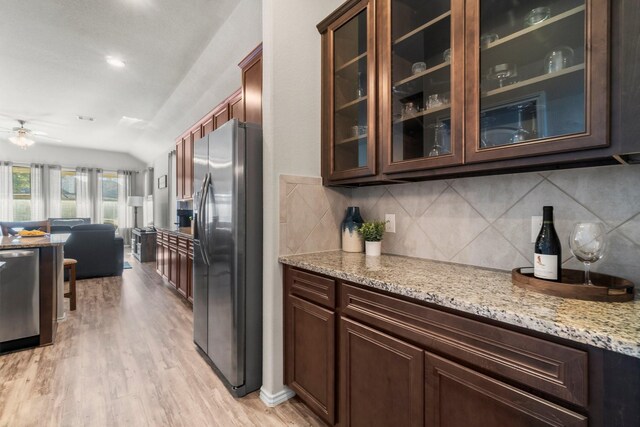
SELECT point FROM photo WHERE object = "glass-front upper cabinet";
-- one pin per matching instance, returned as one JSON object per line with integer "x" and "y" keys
{"x": 421, "y": 83}
{"x": 537, "y": 76}
{"x": 349, "y": 85}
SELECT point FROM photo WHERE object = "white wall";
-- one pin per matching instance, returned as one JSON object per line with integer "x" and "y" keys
{"x": 213, "y": 77}
{"x": 69, "y": 156}
{"x": 291, "y": 122}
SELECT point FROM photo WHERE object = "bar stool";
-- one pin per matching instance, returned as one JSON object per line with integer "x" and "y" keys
{"x": 70, "y": 264}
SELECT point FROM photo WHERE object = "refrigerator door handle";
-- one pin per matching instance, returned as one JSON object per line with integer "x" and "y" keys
{"x": 202, "y": 234}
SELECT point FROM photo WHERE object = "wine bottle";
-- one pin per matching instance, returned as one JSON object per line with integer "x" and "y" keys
{"x": 548, "y": 252}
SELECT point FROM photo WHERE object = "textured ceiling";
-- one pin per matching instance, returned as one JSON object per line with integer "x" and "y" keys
{"x": 54, "y": 69}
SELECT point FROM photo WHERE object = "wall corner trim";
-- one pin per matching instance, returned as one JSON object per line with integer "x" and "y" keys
{"x": 275, "y": 399}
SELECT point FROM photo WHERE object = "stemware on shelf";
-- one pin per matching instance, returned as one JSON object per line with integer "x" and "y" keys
{"x": 441, "y": 131}
{"x": 520, "y": 134}
{"x": 503, "y": 73}
{"x": 418, "y": 67}
{"x": 588, "y": 242}
{"x": 558, "y": 59}
{"x": 487, "y": 39}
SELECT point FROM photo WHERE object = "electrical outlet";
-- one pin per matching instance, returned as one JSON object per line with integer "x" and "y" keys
{"x": 390, "y": 226}
{"x": 536, "y": 225}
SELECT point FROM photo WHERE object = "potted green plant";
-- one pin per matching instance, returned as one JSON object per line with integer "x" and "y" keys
{"x": 372, "y": 233}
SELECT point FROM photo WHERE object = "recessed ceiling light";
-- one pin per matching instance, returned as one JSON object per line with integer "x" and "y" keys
{"x": 85, "y": 118}
{"x": 115, "y": 62}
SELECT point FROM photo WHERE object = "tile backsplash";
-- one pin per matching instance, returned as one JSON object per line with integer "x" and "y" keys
{"x": 310, "y": 215}
{"x": 483, "y": 221}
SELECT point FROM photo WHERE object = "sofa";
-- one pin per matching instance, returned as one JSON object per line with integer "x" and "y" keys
{"x": 69, "y": 221}
{"x": 96, "y": 247}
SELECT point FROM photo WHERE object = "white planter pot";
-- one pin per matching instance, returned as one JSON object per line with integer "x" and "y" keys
{"x": 373, "y": 248}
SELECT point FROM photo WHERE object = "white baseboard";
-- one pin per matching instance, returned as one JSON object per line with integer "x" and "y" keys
{"x": 275, "y": 399}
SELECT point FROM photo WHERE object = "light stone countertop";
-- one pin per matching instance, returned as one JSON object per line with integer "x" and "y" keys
{"x": 487, "y": 293}
{"x": 12, "y": 242}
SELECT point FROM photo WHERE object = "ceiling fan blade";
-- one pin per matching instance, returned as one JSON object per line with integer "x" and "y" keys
{"x": 49, "y": 138}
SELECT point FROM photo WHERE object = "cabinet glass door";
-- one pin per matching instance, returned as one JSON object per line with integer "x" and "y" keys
{"x": 536, "y": 77}
{"x": 353, "y": 92}
{"x": 421, "y": 98}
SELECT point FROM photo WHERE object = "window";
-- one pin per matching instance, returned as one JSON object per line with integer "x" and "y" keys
{"x": 110, "y": 198}
{"x": 21, "y": 193}
{"x": 68, "y": 193}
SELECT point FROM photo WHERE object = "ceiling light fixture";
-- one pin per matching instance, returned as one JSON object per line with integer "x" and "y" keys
{"x": 115, "y": 62}
{"x": 21, "y": 139}
{"x": 86, "y": 118}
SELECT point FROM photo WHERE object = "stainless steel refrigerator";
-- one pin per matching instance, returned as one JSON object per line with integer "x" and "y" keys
{"x": 227, "y": 268}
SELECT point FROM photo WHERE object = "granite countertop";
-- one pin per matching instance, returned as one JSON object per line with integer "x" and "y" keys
{"x": 12, "y": 242}
{"x": 487, "y": 293}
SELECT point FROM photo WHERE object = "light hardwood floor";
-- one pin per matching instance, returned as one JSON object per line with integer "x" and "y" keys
{"x": 126, "y": 358}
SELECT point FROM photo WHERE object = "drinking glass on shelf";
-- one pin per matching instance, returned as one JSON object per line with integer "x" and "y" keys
{"x": 558, "y": 59}
{"x": 487, "y": 39}
{"x": 434, "y": 101}
{"x": 446, "y": 56}
{"x": 485, "y": 122}
{"x": 418, "y": 67}
{"x": 441, "y": 132}
{"x": 520, "y": 134}
{"x": 537, "y": 15}
{"x": 588, "y": 243}
{"x": 409, "y": 110}
{"x": 502, "y": 72}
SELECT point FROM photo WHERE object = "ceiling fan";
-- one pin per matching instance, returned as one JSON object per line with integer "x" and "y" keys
{"x": 24, "y": 137}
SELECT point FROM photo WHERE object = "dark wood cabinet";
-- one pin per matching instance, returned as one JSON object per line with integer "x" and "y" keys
{"x": 463, "y": 88}
{"x": 362, "y": 357}
{"x": 381, "y": 379}
{"x": 251, "y": 67}
{"x": 182, "y": 284}
{"x": 190, "y": 271}
{"x": 236, "y": 106}
{"x": 310, "y": 336}
{"x": 349, "y": 93}
{"x": 174, "y": 261}
{"x": 460, "y": 397}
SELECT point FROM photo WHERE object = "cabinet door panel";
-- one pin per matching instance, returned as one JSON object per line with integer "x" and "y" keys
{"x": 537, "y": 78}
{"x": 381, "y": 379}
{"x": 460, "y": 397}
{"x": 236, "y": 107}
{"x": 350, "y": 95}
{"x": 221, "y": 116}
{"x": 310, "y": 338}
{"x": 183, "y": 278}
{"x": 180, "y": 169}
{"x": 421, "y": 83}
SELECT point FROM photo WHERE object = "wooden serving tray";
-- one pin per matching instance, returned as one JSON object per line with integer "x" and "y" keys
{"x": 607, "y": 288}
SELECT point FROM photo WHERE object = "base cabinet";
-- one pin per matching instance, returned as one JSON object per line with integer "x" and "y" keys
{"x": 460, "y": 397}
{"x": 361, "y": 357}
{"x": 381, "y": 379}
{"x": 174, "y": 261}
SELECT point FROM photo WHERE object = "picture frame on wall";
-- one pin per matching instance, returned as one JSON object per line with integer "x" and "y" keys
{"x": 162, "y": 182}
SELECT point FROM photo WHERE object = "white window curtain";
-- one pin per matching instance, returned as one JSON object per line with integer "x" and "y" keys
{"x": 95, "y": 191}
{"x": 83, "y": 197}
{"x": 6, "y": 191}
{"x": 125, "y": 213}
{"x": 37, "y": 193}
{"x": 53, "y": 195}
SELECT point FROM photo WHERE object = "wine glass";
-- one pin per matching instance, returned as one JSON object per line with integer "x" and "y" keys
{"x": 502, "y": 72}
{"x": 440, "y": 133}
{"x": 588, "y": 243}
{"x": 520, "y": 134}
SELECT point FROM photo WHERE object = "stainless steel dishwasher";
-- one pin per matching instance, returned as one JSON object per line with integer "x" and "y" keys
{"x": 19, "y": 294}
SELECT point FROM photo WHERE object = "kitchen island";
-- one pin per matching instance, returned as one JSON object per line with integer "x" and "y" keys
{"x": 446, "y": 339}
{"x": 51, "y": 284}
